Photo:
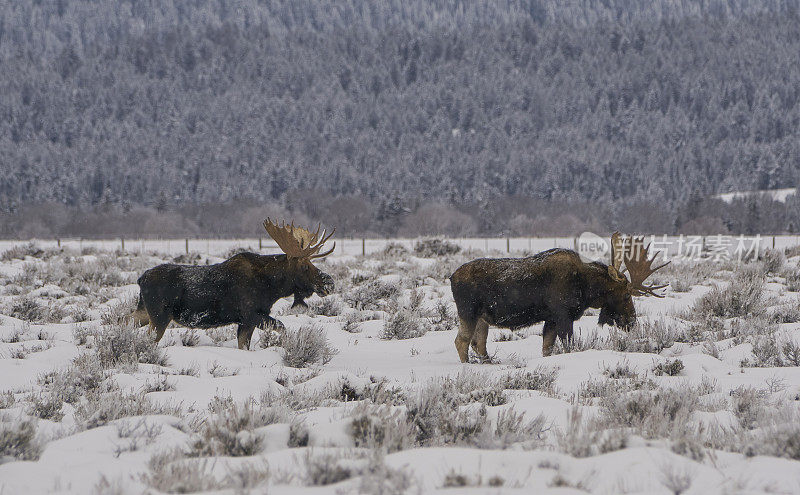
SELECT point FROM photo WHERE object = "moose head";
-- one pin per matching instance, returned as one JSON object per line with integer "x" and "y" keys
{"x": 617, "y": 308}
{"x": 301, "y": 247}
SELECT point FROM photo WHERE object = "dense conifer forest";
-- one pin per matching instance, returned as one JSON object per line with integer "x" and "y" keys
{"x": 398, "y": 117}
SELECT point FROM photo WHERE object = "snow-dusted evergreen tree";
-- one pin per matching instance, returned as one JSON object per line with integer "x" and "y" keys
{"x": 397, "y": 102}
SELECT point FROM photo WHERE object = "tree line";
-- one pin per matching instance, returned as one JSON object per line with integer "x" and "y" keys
{"x": 397, "y": 117}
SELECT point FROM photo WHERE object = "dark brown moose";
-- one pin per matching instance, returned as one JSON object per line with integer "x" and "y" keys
{"x": 239, "y": 290}
{"x": 553, "y": 286}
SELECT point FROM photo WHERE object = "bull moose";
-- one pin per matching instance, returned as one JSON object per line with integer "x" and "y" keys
{"x": 239, "y": 290}
{"x": 554, "y": 286}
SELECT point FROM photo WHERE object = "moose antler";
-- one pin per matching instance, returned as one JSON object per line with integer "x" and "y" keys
{"x": 639, "y": 266}
{"x": 617, "y": 250}
{"x": 298, "y": 242}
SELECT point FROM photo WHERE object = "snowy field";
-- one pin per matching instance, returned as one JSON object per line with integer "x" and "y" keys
{"x": 364, "y": 392}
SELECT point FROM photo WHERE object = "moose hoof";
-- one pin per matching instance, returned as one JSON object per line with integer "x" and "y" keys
{"x": 480, "y": 359}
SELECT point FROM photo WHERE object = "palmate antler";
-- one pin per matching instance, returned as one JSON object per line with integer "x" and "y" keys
{"x": 639, "y": 266}
{"x": 617, "y": 251}
{"x": 298, "y": 242}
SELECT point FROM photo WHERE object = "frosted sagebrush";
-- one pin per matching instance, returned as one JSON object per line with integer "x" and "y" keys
{"x": 171, "y": 472}
{"x": 229, "y": 430}
{"x": 305, "y": 346}
{"x": 743, "y": 297}
{"x": 125, "y": 344}
{"x": 434, "y": 248}
{"x": 405, "y": 324}
{"x": 18, "y": 438}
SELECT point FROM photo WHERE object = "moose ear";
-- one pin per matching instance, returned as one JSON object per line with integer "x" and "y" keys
{"x": 616, "y": 275}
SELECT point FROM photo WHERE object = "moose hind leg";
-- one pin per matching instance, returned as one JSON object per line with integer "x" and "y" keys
{"x": 243, "y": 334}
{"x": 479, "y": 340}
{"x": 465, "y": 333}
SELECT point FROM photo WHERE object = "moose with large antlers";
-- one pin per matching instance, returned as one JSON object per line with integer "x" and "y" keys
{"x": 239, "y": 290}
{"x": 554, "y": 286}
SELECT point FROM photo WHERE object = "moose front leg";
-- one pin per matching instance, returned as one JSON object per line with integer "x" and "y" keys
{"x": 564, "y": 330}
{"x": 243, "y": 334}
{"x": 548, "y": 338}
{"x": 553, "y": 329}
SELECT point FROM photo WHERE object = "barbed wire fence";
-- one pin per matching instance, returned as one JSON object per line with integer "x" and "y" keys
{"x": 668, "y": 245}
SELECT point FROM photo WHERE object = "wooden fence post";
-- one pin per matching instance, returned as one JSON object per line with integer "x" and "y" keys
{"x": 259, "y": 243}
{"x": 363, "y": 247}
{"x": 508, "y": 245}
{"x": 122, "y": 242}
{"x": 58, "y": 241}
{"x": 187, "y": 245}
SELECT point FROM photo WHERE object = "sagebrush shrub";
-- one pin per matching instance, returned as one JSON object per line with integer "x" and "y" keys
{"x": 766, "y": 353}
{"x": 351, "y": 320}
{"x": 372, "y": 295}
{"x": 588, "y": 437}
{"x": 28, "y": 309}
{"x": 229, "y": 429}
{"x": 786, "y": 313}
{"x": 46, "y": 406}
{"x": 394, "y": 249}
{"x": 100, "y": 408}
{"x": 325, "y": 469}
{"x": 792, "y": 277}
{"x": 305, "y": 346}
{"x": 326, "y": 306}
{"x": 749, "y": 406}
{"x": 21, "y": 251}
{"x": 780, "y": 440}
{"x": 743, "y": 297}
{"x": 171, "y": 472}
{"x": 541, "y": 379}
{"x": 86, "y": 374}
{"x": 660, "y": 414}
{"x": 671, "y": 368}
{"x": 380, "y": 479}
{"x": 405, "y": 324}
{"x": 18, "y": 439}
{"x": 430, "y": 248}
{"x": 123, "y": 343}
{"x": 773, "y": 260}
{"x": 681, "y": 276}
{"x": 380, "y": 427}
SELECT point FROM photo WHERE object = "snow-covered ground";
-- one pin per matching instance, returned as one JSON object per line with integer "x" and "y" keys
{"x": 701, "y": 398}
